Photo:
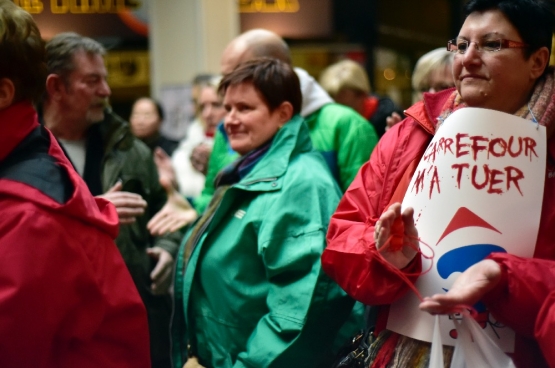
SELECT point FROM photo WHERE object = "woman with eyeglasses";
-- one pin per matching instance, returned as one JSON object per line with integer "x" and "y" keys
{"x": 500, "y": 63}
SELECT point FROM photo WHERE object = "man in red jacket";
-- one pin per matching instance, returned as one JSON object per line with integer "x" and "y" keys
{"x": 66, "y": 297}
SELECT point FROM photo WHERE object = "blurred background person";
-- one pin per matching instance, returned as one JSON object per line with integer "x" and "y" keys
{"x": 342, "y": 136}
{"x": 432, "y": 73}
{"x": 347, "y": 83}
{"x": 190, "y": 159}
{"x": 145, "y": 120}
{"x": 253, "y": 293}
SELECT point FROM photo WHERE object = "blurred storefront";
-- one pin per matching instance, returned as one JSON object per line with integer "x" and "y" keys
{"x": 157, "y": 45}
{"x": 120, "y": 25}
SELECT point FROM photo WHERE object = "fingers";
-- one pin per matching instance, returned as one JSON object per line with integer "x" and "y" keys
{"x": 128, "y": 205}
{"x": 431, "y": 306}
{"x": 116, "y": 188}
{"x": 160, "y": 154}
{"x": 156, "y": 253}
{"x": 441, "y": 304}
{"x": 126, "y": 200}
{"x": 167, "y": 221}
{"x": 166, "y": 172}
{"x": 408, "y": 223}
{"x": 392, "y": 120}
{"x": 383, "y": 225}
{"x": 176, "y": 213}
{"x": 468, "y": 288}
{"x": 162, "y": 223}
{"x": 161, "y": 274}
{"x": 162, "y": 283}
{"x": 200, "y": 157}
{"x": 192, "y": 362}
{"x": 159, "y": 224}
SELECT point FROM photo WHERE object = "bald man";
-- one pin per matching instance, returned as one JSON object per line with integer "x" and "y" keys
{"x": 344, "y": 138}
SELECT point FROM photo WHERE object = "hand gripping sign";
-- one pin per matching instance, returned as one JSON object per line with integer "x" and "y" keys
{"x": 477, "y": 189}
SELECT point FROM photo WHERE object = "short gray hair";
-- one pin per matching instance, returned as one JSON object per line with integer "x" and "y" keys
{"x": 61, "y": 48}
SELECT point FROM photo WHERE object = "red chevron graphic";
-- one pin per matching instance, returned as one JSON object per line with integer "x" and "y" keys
{"x": 465, "y": 218}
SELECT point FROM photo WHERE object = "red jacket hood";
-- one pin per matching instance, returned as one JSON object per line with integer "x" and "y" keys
{"x": 16, "y": 122}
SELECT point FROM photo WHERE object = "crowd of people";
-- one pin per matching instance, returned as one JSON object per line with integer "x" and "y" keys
{"x": 276, "y": 230}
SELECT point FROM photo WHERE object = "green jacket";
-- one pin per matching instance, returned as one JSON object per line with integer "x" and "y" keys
{"x": 253, "y": 293}
{"x": 342, "y": 136}
{"x": 126, "y": 158}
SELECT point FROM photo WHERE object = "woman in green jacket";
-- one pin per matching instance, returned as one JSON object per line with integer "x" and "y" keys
{"x": 249, "y": 288}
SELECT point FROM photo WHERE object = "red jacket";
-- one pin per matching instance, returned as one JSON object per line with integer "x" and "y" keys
{"x": 524, "y": 300}
{"x": 66, "y": 297}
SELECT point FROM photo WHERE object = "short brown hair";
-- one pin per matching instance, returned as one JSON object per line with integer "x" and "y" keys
{"x": 61, "y": 49}
{"x": 22, "y": 55}
{"x": 274, "y": 79}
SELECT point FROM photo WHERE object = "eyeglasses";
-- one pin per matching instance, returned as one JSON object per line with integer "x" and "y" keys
{"x": 460, "y": 46}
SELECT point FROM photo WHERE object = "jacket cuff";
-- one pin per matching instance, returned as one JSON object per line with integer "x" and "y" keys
{"x": 169, "y": 242}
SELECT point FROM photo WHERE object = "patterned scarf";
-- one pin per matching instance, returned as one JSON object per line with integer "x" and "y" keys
{"x": 240, "y": 168}
{"x": 392, "y": 350}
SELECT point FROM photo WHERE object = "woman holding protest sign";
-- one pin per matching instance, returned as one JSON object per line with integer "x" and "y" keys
{"x": 377, "y": 253}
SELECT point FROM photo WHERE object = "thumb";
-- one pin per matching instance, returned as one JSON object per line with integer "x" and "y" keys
{"x": 116, "y": 188}
{"x": 153, "y": 253}
{"x": 159, "y": 267}
{"x": 166, "y": 184}
{"x": 160, "y": 154}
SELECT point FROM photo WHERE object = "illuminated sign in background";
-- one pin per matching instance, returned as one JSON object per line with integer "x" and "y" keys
{"x": 301, "y": 19}
{"x": 114, "y": 20}
{"x": 297, "y": 19}
{"x": 93, "y": 18}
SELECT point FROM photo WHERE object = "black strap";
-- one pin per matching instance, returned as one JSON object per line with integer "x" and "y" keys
{"x": 30, "y": 163}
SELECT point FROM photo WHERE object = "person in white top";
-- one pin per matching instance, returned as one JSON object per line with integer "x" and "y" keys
{"x": 190, "y": 159}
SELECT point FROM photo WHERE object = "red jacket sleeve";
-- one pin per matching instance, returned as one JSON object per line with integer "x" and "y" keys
{"x": 524, "y": 299}
{"x": 351, "y": 257}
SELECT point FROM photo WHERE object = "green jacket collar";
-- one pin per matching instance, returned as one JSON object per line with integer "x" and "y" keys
{"x": 292, "y": 139}
{"x": 115, "y": 132}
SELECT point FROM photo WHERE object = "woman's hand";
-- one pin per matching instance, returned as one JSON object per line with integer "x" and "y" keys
{"x": 390, "y": 121}
{"x": 467, "y": 289}
{"x": 385, "y": 228}
{"x": 176, "y": 213}
{"x": 166, "y": 172}
{"x": 192, "y": 362}
{"x": 161, "y": 275}
{"x": 200, "y": 157}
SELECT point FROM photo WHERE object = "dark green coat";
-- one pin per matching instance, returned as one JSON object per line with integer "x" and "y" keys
{"x": 126, "y": 158}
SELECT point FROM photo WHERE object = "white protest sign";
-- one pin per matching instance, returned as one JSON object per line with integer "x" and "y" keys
{"x": 478, "y": 189}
